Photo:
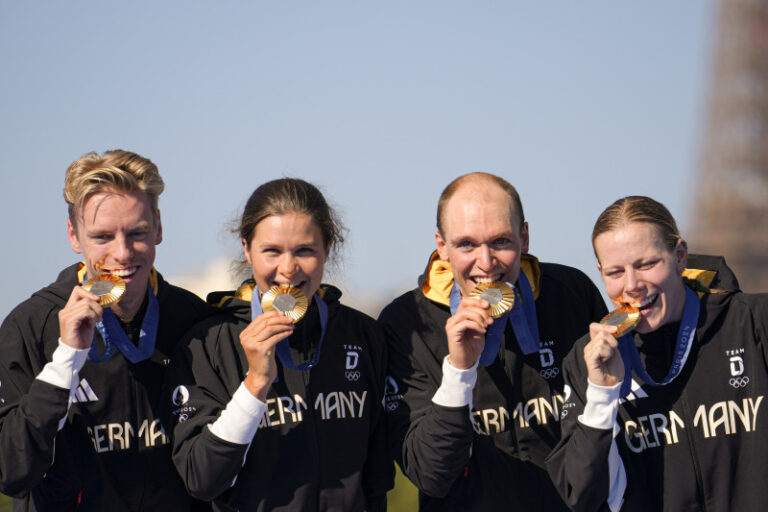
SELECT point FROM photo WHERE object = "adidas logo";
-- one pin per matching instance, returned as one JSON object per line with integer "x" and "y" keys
{"x": 637, "y": 392}
{"x": 84, "y": 393}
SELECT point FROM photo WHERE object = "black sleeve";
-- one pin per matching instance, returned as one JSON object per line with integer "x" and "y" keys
{"x": 194, "y": 396}
{"x": 578, "y": 465}
{"x": 378, "y": 471}
{"x": 431, "y": 443}
{"x": 30, "y": 409}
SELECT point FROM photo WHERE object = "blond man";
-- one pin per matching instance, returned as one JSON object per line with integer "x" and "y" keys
{"x": 80, "y": 382}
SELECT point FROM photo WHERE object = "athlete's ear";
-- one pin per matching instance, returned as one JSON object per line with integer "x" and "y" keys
{"x": 681, "y": 255}
{"x": 524, "y": 237}
{"x": 246, "y": 251}
{"x": 159, "y": 228}
{"x": 72, "y": 235}
{"x": 442, "y": 246}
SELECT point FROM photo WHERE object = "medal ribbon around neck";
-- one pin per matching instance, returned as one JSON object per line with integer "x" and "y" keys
{"x": 685, "y": 335}
{"x": 114, "y": 336}
{"x": 522, "y": 319}
{"x": 283, "y": 349}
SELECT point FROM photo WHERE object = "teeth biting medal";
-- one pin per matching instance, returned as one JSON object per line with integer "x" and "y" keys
{"x": 625, "y": 318}
{"x": 107, "y": 287}
{"x": 286, "y": 299}
{"x": 498, "y": 294}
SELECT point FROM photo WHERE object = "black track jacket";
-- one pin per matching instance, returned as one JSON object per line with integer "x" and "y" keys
{"x": 112, "y": 453}
{"x": 321, "y": 444}
{"x": 490, "y": 458}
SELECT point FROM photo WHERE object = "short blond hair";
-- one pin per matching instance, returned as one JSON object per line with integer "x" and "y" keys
{"x": 118, "y": 170}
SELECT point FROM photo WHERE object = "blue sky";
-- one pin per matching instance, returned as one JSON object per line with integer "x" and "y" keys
{"x": 380, "y": 104}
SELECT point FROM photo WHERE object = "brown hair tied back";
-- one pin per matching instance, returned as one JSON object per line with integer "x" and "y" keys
{"x": 638, "y": 209}
{"x": 291, "y": 195}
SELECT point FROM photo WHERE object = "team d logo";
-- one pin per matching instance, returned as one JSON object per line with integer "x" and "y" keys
{"x": 736, "y": 365}
{"x": 352, "y": 373}
{"x": 547, "y": 360}
{"x": 180, "y": 395}
{"x": 392, "y": 395}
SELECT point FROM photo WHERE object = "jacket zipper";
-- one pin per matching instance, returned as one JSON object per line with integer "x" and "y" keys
{"x": 694, "y": 458}
{"x": 314, "y": 433}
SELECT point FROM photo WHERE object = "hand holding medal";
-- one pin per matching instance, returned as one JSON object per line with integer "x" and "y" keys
{"x": 261, "y": 337}
{"x": 78, "y": 318}
{"x": 471, "y": 320}
{"x": 605, "y": 366}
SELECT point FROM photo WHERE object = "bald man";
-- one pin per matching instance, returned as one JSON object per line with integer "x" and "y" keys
{"x": 474, "y": 402}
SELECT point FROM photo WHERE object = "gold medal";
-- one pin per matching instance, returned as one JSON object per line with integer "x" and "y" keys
{"x": 107, "y": 287}
{"x": 498, "y": 294}
{"x": 625, "y": 318}
{"x": 286, "y": 299}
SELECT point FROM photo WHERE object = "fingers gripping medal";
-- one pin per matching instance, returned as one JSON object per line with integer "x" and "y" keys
{"x": 625, "y": 318}
{"x": 107, "y": 287}
{"x": 286, "y": 299}
{"x": 498, "y": 294}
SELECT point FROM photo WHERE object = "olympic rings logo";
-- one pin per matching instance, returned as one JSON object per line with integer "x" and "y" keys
{"x": 550, "y": 373}
{"x": 352, "y": 375}
{"x": 739, "y": 382}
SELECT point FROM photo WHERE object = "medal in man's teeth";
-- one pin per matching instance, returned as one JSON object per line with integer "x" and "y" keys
{"x": 498, "y": 294}
{"x": 286, "y": 299}
{"x": 107, "y": 287}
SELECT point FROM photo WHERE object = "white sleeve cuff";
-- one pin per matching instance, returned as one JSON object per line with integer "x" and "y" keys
{"x": 601, "y": 407}
{"x": 239, "y": 421}
{"x": 65, "y": 364}
{"x": 456, "y": 387}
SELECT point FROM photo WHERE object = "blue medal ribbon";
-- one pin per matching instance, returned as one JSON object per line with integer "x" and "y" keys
{"x": 283, "y": 349}
{"x": 685, "y": 335}
{"x": 114, "y": 337}
{"x": 522, "y": 318}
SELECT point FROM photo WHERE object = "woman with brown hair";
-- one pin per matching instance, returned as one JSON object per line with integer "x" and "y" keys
{"x": 668, "y": 416}
{"x": 272, "y": 411}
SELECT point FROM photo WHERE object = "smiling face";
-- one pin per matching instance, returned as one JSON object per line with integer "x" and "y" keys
{"x": 287, "y": 249}
{"x": 117, "y": 233}
{"x": 639, "y": 270}
{"x": 482, "y": 237}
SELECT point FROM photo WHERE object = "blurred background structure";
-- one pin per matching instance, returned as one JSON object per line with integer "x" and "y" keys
{"x": 730, "y": 215}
